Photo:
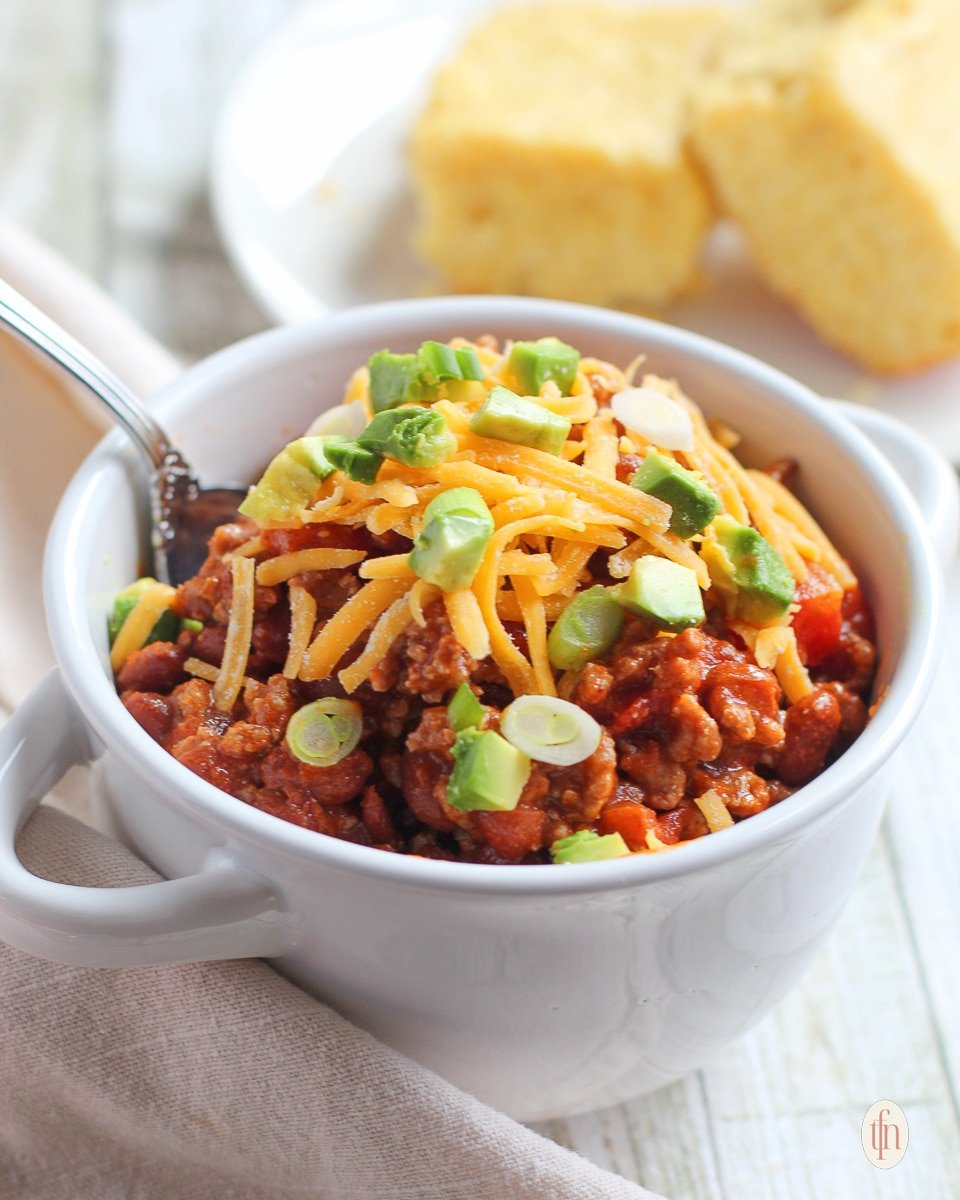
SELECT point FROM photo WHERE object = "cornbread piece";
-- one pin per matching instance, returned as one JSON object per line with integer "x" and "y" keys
{"x": 551, "y": 159}
{"x": 831, "y": 131}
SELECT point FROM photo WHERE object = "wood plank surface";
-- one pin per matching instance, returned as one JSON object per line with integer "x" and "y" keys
{"x": 108, "y": 109}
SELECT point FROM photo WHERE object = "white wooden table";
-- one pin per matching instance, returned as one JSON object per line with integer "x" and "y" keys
{"x": 107, "y": 108}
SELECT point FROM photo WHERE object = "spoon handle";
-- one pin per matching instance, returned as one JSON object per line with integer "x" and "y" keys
{"x": 35, "y": 328}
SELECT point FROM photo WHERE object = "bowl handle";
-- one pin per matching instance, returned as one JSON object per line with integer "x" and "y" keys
{"x": 223, "y": 911}
{"x": 929, "y": 477}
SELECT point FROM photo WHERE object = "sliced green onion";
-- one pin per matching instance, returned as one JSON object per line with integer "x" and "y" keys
{"x": 192, "y": 625}
{"x": 324, "y": 732}
{"x": 355, "y": 461}
{"x": 415, "y": 436}
{"x": 586, "y": 629}
{"x": 587, "y": 846}
{"x": 470, "y": 366}
{"x": 550, "y": 730}
{"x": 464, "y": 710}
{"x": 439, "y": 362}
{"x": 488, "y": 773}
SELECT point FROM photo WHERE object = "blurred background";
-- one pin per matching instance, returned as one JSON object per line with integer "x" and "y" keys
{"x": 109, "y": 107}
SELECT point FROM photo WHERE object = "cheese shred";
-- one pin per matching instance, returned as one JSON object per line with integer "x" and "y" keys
{"x": 236, "y": 649}
{"x": 561, "y": 523}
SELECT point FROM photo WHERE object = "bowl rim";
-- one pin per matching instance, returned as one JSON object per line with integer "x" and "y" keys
{"x": 82, "y": 663}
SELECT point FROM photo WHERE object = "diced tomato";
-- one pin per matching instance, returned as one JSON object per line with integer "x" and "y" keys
{"x": 632, "y": 821}
{"x": 818, "y": 623}
{"x": 633, "y": 714}
{"x": 513, "y": 834}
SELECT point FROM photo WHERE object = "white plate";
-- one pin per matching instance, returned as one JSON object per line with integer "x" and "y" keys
{"x": 313, "y": 200}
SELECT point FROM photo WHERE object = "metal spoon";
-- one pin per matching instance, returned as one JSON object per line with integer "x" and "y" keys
{"x": 183, "y": 515}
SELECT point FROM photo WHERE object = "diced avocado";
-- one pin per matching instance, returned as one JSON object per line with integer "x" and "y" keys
{"x": 587, "y": 846}
{"x": 167, "y": 626}
{"x": 512, "y": 418}
{"x": 464, "y": 709}
{"x": 464, "y": 501}
{"x": 355, "y": 461}
{"x": 586, "y": 629}
{"x": 416, "y": 436}
{"x": 664, "y": 592}
{"x": 457, "y": 526}
{"x": 290, "y": 482}
{"x": 750, "y": 571}
{"x": 394, "y": 379}
{"x": 449, "y": 549}
{"x": 531, "y": 364}
{"x": 693, "y": 505}
{"x": 488, "y": 774}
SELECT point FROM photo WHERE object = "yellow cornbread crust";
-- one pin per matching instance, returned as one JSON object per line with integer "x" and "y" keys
{"x": 829, "y": 133}
{"x": 551, "y": 157}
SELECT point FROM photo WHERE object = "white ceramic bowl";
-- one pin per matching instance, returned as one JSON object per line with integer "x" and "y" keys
{"x": 543, "y": 990}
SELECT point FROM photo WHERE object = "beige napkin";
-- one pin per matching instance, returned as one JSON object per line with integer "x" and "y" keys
{"x": 220, "y": 1080}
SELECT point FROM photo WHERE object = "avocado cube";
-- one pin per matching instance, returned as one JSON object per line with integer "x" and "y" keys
{"x": 692, "y": 504}
{"x": 587, "y": 846}
{"x": 465, "y": 710}
{"x": 488, "y": 773}
{"x": 449, "y": 549}
{"x": 394, "y": 379}
{"x": 531, "y": 364}
{"x": 290, "y": 482}
{"x": 512, "y": 418}
{"x": 747, "y": 567}
{"x": 663, "y": 592}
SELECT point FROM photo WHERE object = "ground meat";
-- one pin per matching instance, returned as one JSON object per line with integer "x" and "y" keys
{"x": 745, "y": 701}
{"x": 206, "y": 597}
{"x": 156, "y": 668}
{"x": 425, "y": 661}
{"x": 662, "y": 781}
{"x": 578, "y": 792}
{"x": 811, "y": 726}
{"x": 326, "y": 785}
{"x": 679, "y": 715}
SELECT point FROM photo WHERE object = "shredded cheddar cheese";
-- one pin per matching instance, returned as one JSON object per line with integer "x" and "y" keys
{"x": 303, "y": 617}
{"x": 140, "y": 621}
{"x": 714, "y": 810}
{"x": 551, "y": 513}
{"x": 285, "y": 566}
{"x": 347, "y": 624}
{"x": 236, "y": 649}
